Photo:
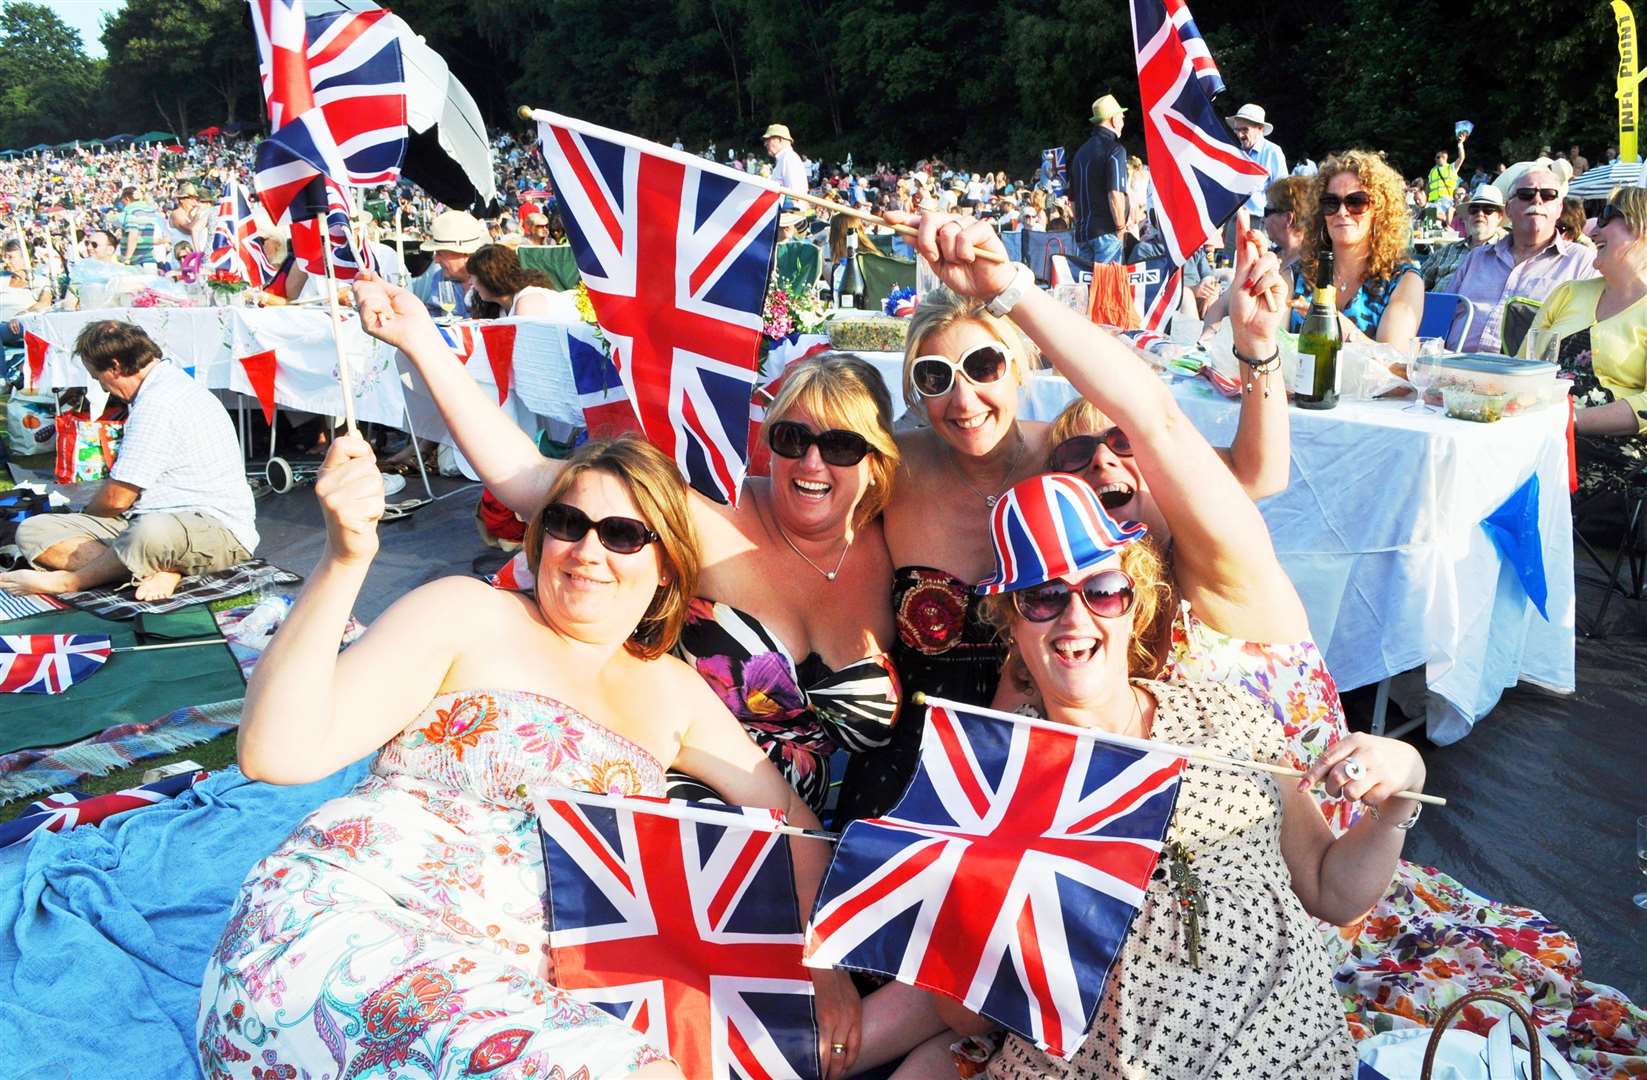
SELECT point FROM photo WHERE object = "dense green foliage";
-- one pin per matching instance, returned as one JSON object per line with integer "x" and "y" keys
{"x": 983, "y": 82}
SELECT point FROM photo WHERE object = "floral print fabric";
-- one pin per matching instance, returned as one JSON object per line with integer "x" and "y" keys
{"x": 1430, "y": 940}
{"x": 399, "y": 931}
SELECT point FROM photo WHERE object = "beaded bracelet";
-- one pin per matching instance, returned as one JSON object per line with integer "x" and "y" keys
{"x": 1259, "y": 367}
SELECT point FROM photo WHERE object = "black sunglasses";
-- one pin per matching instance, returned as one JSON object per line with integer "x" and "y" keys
{"x": 1074, "y": 454}
{"x": 1483, "y": 209}
{"x": 623, "y": 535}
{"x": 934, "y": 376}
{"x": 836, "y": 446}
{"x": 1537, "y": 194}
{"x": 1608, "y": 215}
{"x": 1107, "y": 594}
{"x": 1356, "y": 202}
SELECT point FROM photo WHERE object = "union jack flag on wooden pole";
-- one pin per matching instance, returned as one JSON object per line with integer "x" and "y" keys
{"x": 1201, "y": 177}
{"x": 676, "y": 252}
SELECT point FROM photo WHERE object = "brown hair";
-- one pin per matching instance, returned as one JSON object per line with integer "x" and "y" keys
{"x": 110, "y": 345}
{"x": 1390, "y": 222}
{"x": 1290, "y": 194}
{"x": 842, "y": 224}
{"x": 840, "y": 390}
{"x": 498, "y": 268}
{"x": 1151, "y": 589}
{"x": 659, "y": 492}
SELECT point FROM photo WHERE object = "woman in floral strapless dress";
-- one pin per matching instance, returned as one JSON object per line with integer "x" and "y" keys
{"x": 400, "y": 929}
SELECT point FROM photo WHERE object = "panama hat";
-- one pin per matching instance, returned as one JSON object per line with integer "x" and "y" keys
{"x": 1106, "y": 107}
{"x": 188, "y": 191}
{"x": 455, "y": 231}
{"x": 1487, "y": 195}
{"x": 1048, "y": 527}
{"x": 1253, "y": 114}
{"x": 778, "y": 131}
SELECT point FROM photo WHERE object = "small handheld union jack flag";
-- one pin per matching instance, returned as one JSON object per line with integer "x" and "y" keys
{"x": 1007, "y": 876}
{"x": 234, "y": 243}
{"x": 680, "y": 919}
{"x": 49, "y": 663}
{"x": 676, "y": 252}
{"x": 1157, "y": 285}
{"x": 1201, "y": 177}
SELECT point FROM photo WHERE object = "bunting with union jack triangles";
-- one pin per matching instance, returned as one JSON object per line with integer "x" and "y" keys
{"x": 1201, "y": 176}
{"x": 1007, "y": 876}
{"x": 675, "y": 252}
{"x": 680, "y": 919}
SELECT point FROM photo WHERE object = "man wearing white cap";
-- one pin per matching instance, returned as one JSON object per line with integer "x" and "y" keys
{"x": 1484, "y": 223}
{"x": 787, "y": 167}
{"x": 453, "y": 237}
{"x": 1098, "y": 182}
{"x": 1251, "y": 134}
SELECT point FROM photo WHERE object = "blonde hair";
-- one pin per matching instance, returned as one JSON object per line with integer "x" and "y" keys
{"x": 1150, "y": 588}
{"x": 940, "y": 309}
{"x": 839, "y": 390}
{"x": 1632, "y": 201}
{"x": 1079, "y": 417}
{"x": 1390, "y": 223}
{"x": 660, "y": 494}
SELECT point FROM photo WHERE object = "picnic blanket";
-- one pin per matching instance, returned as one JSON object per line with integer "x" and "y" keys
{"x": 247, "y": 577}
{"x": 104, "y": 933}
{"x": 132, "y": 687}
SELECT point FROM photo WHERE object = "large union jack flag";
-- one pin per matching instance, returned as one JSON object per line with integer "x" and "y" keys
{"x": 1201, "y": 176}
{"x": 49, "y": 663}
{"x": 234, "y": 244}
{"x": 1157, "y": 285}
{"x": 680, "y": 919}
{"x": 1007, "y": 876}
{"x": 676, "y": 253}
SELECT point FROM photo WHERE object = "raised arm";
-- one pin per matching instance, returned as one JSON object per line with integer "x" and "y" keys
{"x": 310, "y": 711}
{"x": 1225, "y": 564}
{"x": 502, "y": 454}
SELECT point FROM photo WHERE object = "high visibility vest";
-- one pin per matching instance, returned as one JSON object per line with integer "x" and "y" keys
{"x": 1443, "y": 181}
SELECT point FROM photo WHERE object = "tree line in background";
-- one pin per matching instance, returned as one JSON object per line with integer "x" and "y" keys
{"x": 982, "y": 83}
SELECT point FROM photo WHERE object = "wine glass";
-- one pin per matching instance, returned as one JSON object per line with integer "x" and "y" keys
{"x": 1422, "y": 369}
{"x": 446, "y": 296}
{"x": 1641, "y": 857}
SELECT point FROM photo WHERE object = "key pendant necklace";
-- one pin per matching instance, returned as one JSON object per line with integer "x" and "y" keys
{"x": 829, "y": 575}
{"x": 991, "y": 500}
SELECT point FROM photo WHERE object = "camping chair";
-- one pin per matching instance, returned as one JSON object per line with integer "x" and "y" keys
{"x": 1519, "y": 315}
{"x": 556, "y": 260}
{"x": 1440, "y": 311}
{"x": 1632, "y": 551}
{"x": 881, "y": 275}
{"x": 800, "y": 264}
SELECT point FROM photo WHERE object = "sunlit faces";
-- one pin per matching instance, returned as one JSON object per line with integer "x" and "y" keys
{"x": 1534, "y": 219}
{"x": 1345, "y": 227}
{"x": 1114, "y": 475}
{"x": 972, "y": 417}
{"x": 1077, "y": 656}
{"x": 1278, "y": 226}
{"x": 809, "y": 495}
{"x": 587, "y": 591}
{"x": 1617, "y": 246}
{"x": 454, "y": 264}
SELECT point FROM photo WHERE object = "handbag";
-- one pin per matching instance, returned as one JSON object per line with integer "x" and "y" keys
{"x": 1441, "y": 1054}
{"x": 86, "y": 448}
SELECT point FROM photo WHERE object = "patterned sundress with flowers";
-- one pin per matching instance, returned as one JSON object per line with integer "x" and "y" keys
{"x": 800, "y": 714}
{"x": 399, "y": 931}
{"x": 1429, "y": 940}
{"x": 1605, "y": 463}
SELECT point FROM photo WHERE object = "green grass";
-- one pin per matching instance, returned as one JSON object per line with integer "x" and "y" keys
{"x": 214, "y": 755}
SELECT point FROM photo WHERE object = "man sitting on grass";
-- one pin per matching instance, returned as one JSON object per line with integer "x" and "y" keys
{"x": 176, "y": 502}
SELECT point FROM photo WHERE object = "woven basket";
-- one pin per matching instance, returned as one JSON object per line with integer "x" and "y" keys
{"x": 1451, "y": 1013}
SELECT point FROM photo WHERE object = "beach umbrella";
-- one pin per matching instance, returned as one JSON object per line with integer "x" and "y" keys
{"x": 155, "y": 137}
{"x": 1596, "y": 183}
{"x": 174, "y": 148}
{"x": 51, "y": 663}
{"x": 210, "y": 132}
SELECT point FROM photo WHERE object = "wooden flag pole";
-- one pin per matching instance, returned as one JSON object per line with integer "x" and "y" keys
{"x": 526, "y": 112}
{"x": 1194, "y": 753}
{"x": 344, "y": 378}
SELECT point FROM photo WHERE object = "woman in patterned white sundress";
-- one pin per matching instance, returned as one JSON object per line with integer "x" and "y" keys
{"x": 399, "y": 930}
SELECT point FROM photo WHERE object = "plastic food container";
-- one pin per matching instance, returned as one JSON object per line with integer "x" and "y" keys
{"x": 867, "y": 332}
{"x": 1524, "y": 384}
{"x": 1462, "y": 403}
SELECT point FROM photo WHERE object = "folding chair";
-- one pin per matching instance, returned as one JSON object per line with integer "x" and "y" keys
{"x": 1440, "y": 311}
{"x": 1632, "y": 551}
{"x": 882, "y": 274}
{"x": 1519, "y": 315}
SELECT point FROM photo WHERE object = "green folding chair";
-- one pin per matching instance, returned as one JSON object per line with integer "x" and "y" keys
{"x": 800, "y": 264}
{"x": 882, "y": 274}
{"x": 556, "y": 260}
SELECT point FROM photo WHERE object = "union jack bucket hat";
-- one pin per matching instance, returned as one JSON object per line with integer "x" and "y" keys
{"x": 1048, "y": 527}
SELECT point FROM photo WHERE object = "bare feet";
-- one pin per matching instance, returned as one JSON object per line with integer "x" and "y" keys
{"x": 158, "y": 585}
{"x": 37, "y": 582}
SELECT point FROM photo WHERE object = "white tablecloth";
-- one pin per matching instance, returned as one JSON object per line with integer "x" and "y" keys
{"x": 1380, "y": 530}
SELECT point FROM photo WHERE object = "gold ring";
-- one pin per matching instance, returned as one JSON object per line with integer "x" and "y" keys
{"x": 838, "y": 1048}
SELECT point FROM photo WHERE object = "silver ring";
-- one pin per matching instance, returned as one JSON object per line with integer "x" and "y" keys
{"x": 1353, "y": 769}
{"x": 838, "y": 1048}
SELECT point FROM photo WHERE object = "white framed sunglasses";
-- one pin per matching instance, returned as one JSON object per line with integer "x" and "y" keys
{"x": 934, "y": 376}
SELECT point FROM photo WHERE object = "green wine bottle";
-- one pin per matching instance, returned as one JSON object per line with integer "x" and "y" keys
{"x": 1315, "y": 378}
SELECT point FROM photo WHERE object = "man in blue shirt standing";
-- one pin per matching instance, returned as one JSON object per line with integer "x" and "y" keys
{"x": 1251, "y": 131}
{"x": 1098, "y": 183}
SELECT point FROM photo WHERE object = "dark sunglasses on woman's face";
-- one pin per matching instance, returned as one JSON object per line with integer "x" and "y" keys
{"x": 1608, "y": 215}
{"x": 622, "y": 535}
{"x": 1107, "y": 594}
{"x": 1537, "y": 194}
{"x": 1356, "y": 202}
{"x": 934, "y": 376}
{"x": 1075, "y": 453}
{"x": 836, "y": 446}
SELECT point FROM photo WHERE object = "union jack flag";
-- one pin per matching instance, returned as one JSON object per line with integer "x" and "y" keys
{"x": 49, "y": 663}
{"x": 1050, "y": 526}
{"x": 676, "y": 253}
{"x": 1157, "y": 286}
{"x": 1054, "y": 173}
{"x": 1201, "y": 176}
{"x": 69, "y": 809}
{"x": 234, "y": 245}
{"x": 1007, "y": 876}
{"x": 601, "y": 393}
{"x": 680, "y": 919}
{"x": 327, "y": 222}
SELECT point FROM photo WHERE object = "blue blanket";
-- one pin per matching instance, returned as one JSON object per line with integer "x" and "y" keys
{"x": 104, "y": 932}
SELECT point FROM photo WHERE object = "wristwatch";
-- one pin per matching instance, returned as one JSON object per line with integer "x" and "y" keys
{"x": 1023, "y": 280}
